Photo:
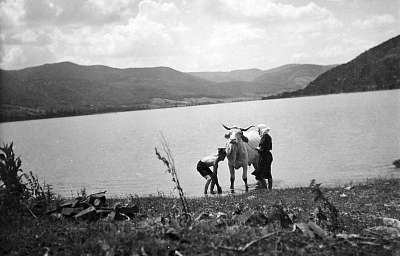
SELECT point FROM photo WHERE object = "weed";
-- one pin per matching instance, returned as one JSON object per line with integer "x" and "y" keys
{"x": 169, "y": 162}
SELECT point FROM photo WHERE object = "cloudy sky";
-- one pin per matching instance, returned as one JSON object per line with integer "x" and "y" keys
{"x": 192, "y": 35}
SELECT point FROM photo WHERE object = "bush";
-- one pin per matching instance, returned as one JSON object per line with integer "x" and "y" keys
{"x": 20, "y": 193}
{"x": 11, "y": 173}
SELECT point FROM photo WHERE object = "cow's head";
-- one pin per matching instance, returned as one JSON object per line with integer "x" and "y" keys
{"x": 235, "y": 134}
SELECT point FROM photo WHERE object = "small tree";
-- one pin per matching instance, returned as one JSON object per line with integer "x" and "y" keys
{"x": 11, "y": 173}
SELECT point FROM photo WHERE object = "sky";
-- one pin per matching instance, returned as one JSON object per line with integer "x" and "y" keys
{"x": 192, "y": 35}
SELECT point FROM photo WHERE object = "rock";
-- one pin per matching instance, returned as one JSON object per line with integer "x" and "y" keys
{"x": 103, "y": 212}
{"x": 69, "y": 212}
{"x": 52, "y": 210}
{"x": 391, "y": 223}
{"x": 70, "y": 203}
{"x": 88, "y": 214}
{"x": 130, "y": 211}
{"x": 98, "y": 199}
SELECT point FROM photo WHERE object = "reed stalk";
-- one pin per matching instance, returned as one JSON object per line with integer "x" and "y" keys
{"x": 170, "y": 164}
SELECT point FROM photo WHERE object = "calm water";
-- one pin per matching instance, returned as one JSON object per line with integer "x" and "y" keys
{"x": 334, "y": 139}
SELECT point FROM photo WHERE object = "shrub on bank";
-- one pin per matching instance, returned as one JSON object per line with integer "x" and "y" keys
{"x": 20, "y": 193}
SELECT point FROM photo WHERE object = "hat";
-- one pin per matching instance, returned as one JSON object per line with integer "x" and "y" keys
{"x": 262, "y": 128}
{"x": 265, "y": 130}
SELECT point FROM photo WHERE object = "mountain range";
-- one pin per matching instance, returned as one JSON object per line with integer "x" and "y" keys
{"x": 375, "y": 69}
{"x": 66, "y": 88}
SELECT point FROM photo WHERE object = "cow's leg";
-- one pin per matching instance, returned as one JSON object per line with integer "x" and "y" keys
{"x": 270, "y": 183}
{"x": 244, "y": 177}
{"x": 232, "y": 172}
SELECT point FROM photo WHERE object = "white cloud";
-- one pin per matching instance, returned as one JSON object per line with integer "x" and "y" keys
{"x": 231, "y": 34}
{"x": 11, "y": 13}
{"x": 186, "y": 35}
{"x": 376, "y": 21}
{"x": 347, "y": 47}
{"x": 300, "y": 57}
{"x": 267, "y": 9}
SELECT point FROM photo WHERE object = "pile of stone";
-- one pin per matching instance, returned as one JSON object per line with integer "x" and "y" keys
{"x": 93, "y": 207}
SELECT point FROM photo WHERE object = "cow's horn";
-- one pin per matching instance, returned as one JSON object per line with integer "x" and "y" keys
{"x": 226, "y": 127}
{"x": 243, "y": 130}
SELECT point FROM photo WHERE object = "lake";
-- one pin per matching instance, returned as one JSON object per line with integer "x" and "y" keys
{"x": 334, "y": 139}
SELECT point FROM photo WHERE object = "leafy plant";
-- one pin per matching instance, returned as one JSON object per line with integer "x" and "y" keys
{"x": 20, "y": 192}
{"x": 11, "y": 173}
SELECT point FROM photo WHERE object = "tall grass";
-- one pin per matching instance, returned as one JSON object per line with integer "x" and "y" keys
{"x": 170, "y": 163}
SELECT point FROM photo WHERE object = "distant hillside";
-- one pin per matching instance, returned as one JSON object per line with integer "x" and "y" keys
{"x": 291, "y": 77}
{"x": 246, "y": 75}
{"x": 376, "y": 69}
{"x": 286, "y": 78}
{"x": 67, "y": 88}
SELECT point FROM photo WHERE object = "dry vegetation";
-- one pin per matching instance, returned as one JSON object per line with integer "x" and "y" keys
{"x": 224, "y": 226}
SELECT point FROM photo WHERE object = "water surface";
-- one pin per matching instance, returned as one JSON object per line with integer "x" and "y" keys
{"x": 334, "y": 139}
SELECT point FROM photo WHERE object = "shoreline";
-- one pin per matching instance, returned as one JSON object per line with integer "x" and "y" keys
{"x": 239, "y": 188}
{"x": 8, "y": 117}
{"x": 224, "y": 225}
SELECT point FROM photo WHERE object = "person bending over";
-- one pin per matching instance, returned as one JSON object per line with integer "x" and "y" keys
{"x": 203, "y": 167}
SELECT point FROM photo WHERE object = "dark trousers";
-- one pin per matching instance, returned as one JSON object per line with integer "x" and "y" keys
{"x": 264, "y": 169}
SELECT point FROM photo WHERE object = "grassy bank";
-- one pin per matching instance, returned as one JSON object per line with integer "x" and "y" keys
{"x": 246, "y": 224}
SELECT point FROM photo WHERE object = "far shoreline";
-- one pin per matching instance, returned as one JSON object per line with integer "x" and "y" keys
{"x": 85, "y": 112}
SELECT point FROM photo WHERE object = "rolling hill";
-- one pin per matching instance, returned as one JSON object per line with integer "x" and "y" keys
{"x": 290, "y": 77}
{"x": 246, "y": 75}
{"x": 66, "y": 88}
{"x": 376, "y": 69}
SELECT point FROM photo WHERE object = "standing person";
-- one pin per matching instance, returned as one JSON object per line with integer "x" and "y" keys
{"x": 203, "y": 167}
{"x": 265, "y": 160}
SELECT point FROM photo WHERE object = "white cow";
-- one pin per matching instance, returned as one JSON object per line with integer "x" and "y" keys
{"x": 241, "y": 151}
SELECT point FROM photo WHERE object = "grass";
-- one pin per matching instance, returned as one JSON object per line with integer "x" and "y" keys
{"x": 157, "y": 229}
